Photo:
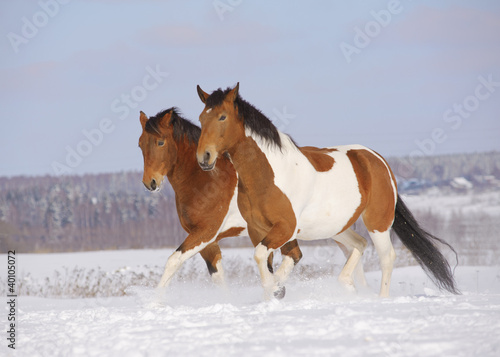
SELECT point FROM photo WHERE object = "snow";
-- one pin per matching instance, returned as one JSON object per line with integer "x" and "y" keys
{"x": 195, "y": 318}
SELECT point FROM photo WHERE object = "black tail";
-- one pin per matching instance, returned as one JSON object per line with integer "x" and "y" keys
{"x": 422, "y": 245}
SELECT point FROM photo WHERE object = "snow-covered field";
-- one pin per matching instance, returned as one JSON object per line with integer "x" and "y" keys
{"x": 195, "y": 318}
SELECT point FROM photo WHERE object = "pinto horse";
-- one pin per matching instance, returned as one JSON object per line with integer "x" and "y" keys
{"x": 287, "y": 192}
{"x": 206, "y": 201}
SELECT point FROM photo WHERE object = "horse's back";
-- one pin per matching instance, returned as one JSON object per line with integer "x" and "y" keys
{"x": 327, "y": 201}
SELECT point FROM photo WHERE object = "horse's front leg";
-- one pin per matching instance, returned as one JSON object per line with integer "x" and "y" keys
{"x": 193, "y": 244}
{"x": 279, "y": 234}
{"x": 291, "y": 255}
{"x": 213, "y": 256}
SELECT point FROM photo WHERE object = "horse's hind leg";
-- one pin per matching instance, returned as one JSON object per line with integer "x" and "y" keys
{"x": 385, "y": 251}
{"x": 212, "y": 256}
{"x": 355, "y": 246}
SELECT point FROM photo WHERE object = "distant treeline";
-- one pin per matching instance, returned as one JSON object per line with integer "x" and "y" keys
{"x": 91, "y": 212}
{"x": 114, "y": 211}
{"x": 444, "y": 168}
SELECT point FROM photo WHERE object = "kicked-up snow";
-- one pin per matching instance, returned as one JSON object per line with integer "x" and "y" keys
{"x": 195, "y": 318}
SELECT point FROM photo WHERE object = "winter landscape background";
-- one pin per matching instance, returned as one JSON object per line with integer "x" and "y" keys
{"x": 459, "y": 201}
{"x": 417, "y": 81}
{"x": 91, "y": 249}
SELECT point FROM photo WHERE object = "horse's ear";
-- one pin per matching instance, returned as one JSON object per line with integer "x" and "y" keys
{"x": 164, "y": 121}
{"x": 202, "y": 94}
{"x": 144, "y": 119}
{"x": 233, "y": 93}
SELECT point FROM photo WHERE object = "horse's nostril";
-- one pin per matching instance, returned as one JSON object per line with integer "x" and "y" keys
{"x": 206, "y": 157}
{"x": 153, "y": 184}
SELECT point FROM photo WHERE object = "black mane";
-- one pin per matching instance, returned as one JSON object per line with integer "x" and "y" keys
{"x": 252, "y": 117}
{"x": 182, "y": 127}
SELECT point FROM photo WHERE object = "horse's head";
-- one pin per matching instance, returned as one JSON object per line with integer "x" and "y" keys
{"x": 221, "y": 128}
{"x": 157, "y": 146}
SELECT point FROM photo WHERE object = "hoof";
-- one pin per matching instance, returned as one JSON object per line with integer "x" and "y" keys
{"x": 350, "y": 288}
{"x": 347, "y": 284}
{"x": 280, "y": 293}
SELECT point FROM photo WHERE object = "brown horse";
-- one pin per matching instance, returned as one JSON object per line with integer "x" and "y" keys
{"x": 205, "y": 201}
{"x": 286, "y": 192}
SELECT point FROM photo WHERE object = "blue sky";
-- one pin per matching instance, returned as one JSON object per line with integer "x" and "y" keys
{"x": 402, "y": 77}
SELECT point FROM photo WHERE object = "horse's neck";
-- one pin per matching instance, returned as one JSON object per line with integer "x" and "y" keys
{"x": 182, "y": 162}
{"x": 250, "y": 159}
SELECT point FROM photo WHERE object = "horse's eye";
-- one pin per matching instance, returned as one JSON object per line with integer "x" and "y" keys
{"x": 222, "y": 118}
{"x": 161, "y": 142}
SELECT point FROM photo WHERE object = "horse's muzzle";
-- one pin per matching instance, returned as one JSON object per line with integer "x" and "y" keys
{"x": 206, "y": 166}
{"x": 205, "y": 162}
{"x": 153, "y": 185}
